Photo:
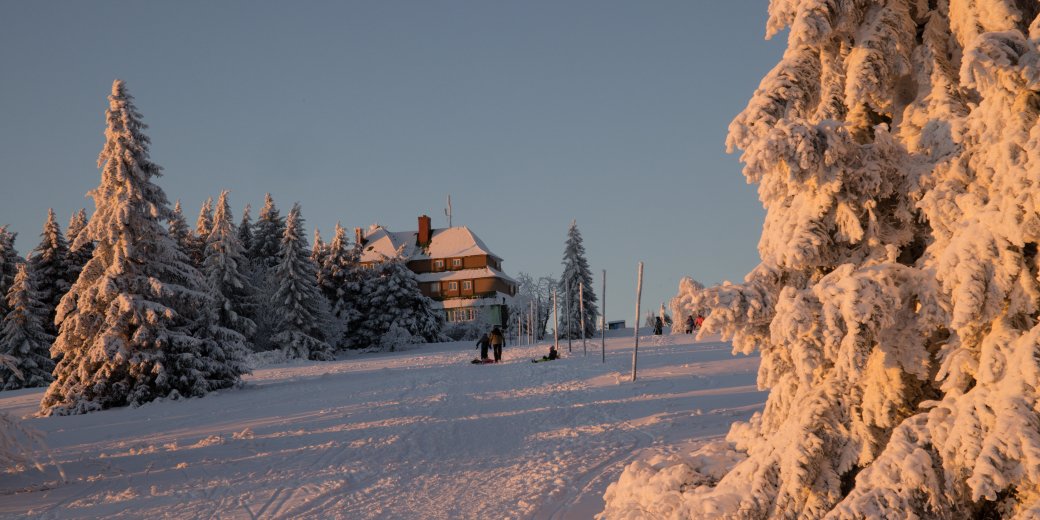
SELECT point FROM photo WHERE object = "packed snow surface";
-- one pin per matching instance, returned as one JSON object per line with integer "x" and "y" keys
{"x": 415, "y": 434}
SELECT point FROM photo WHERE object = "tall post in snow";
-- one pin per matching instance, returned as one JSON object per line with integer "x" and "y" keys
{"x": 603, "y": 320}
{"x": 639, "y": 296}
{"x": 581, "y": 307}
{"x": 567, "y": 311}
{"x": 556, "y": 323}
{"x": 530, "y": 322}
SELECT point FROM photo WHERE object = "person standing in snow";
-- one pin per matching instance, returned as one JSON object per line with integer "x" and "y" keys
{"x": 496, "y": 339}
{"x": 689, "y": 324}
{"x": 658, "y": 326}
{"x": 483, "y": 344}
{"x": 697, "y": 323}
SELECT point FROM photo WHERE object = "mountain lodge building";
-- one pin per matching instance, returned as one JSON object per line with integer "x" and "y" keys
{"x": 453, "y": 266}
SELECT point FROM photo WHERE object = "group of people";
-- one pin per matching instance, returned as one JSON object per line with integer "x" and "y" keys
{"x": 493, "y": 340}
{"x": 693, "y": 324}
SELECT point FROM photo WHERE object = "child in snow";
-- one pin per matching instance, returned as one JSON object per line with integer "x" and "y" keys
{"x": 496, "y": 340}
{"x": 689, "y": 324}
{"x": 552, "y": 355}
{"x": 483, "y": 343}
{"x": 697, "y": 323}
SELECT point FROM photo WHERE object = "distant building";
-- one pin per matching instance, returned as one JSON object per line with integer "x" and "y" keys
{"x": 454, "y": 268}
{"x": 616, "y": 325}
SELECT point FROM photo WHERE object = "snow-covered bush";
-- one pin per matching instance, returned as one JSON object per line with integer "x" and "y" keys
{"x": 896, "y": 147}
{"x": 685, "y": 303}
{"x": 398, "y": 338}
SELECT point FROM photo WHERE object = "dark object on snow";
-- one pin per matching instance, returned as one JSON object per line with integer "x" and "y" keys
{"x": 658, "y": 326}
{"x": 497, "y": 339}
{"x": 689, "y": 324}
{"x": 483, "y": 343}
{"x": 553, "y": 354}
{"x": 484, "y": 361}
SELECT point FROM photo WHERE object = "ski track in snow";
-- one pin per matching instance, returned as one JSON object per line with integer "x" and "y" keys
{"x": 417, "y": 434}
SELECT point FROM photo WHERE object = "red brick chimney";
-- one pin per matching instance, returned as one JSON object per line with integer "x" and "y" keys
{"x": 425, "y": 233}
{"x": 359, "y": 236}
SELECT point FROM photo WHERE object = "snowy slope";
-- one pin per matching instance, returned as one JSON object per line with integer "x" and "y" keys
{"x": 419, "y": 434}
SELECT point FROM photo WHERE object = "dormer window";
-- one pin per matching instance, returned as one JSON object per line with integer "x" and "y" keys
{"x": 456, "y": 262}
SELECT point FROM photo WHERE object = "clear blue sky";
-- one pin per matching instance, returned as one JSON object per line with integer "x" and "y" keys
{"x": 529, "y": 114}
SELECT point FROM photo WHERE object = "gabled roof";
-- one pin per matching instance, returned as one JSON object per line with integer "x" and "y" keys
{"x": 381, "y": 243}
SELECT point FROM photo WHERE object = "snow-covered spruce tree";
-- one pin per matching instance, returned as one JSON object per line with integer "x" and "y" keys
{"x": 23, "y": 336}
{"x": 9, "y": 261}
{"x": 179, "y": 231}
{"x": 245, "y": 229}
{"x": 198, "y": 239}
{"x": 392, "y": 296}
{"x": 318, "y": 249}
{"x": 298, "y": 301}
{"x": 225, "y": 268}
{"x": 897, "y": 148}
{"x": 576, "y": 271}
{"x": 78, "y": 256}
{"x": 50, "y": 268}
{"x": 267, "y": 234}
{"x": 129, "y": 329}
{"x": 338, "y": 282}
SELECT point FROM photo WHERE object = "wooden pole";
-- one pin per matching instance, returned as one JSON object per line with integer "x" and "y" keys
{"x": 639, "y": 297}
{"x": 530, "y": 322}
{"x": 567, "y": 303}
{"x": 581, "y": 307}
{"x": 556, "y": 323}
{"x": 603, "y": 319}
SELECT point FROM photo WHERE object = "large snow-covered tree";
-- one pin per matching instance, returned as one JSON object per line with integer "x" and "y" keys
{"x": 23, "y": 336}
{"x": 896, "y": 148}
{"x": 390, "y": 296}
{"x": 50, "y": 268}
{"x": 576, "y": 279}
{"x": 298, "y": 301}
{"x": 129, "y": 328}
{"x": 225, "y": 268}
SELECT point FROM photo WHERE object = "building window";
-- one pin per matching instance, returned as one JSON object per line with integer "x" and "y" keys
{"x": 456, "y": 315}
{"x": 453, "y": 286}
{"x": 456, "y": 262}
{"x": 438, "y": 264}
{"x": 467, "y": 285}
{"x": 435, "y": 287}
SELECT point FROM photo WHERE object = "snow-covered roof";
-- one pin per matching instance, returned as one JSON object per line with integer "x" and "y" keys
{"x": 465, "y": 274}
{"x": 459, "y": 241}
